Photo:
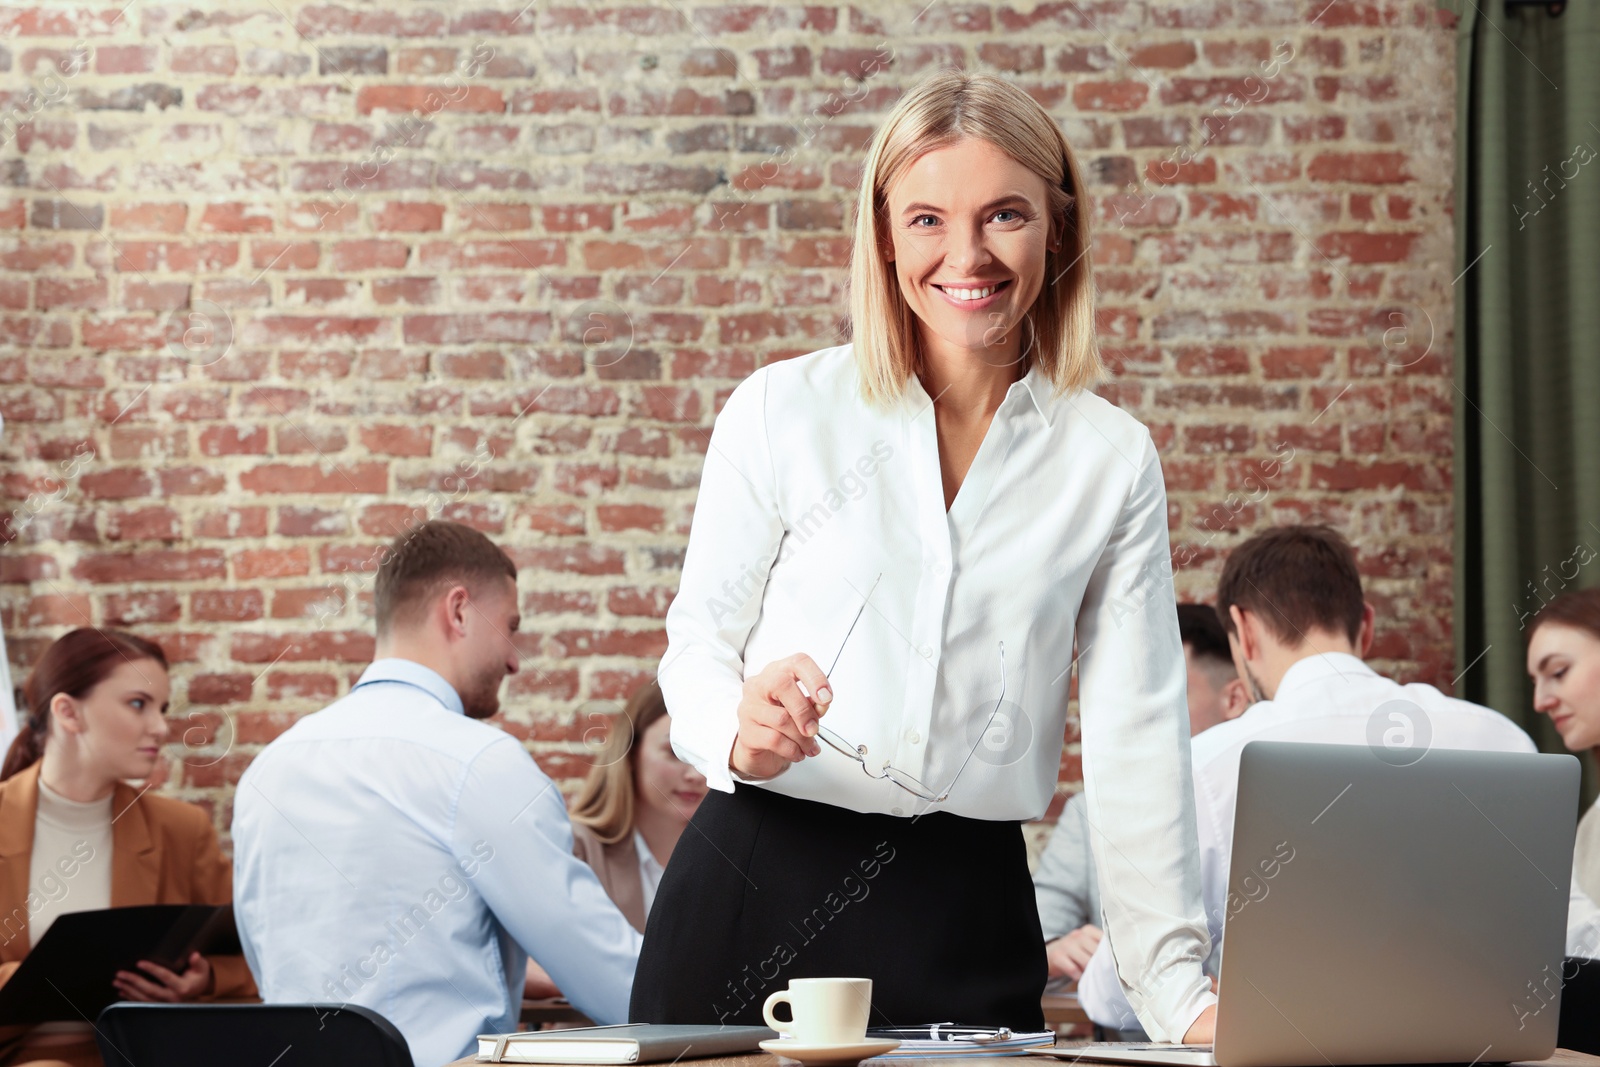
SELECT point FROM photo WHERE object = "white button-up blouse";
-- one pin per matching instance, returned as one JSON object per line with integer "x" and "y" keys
{"x": 1058, "y": 534}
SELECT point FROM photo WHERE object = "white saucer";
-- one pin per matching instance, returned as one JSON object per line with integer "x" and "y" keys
{"x": 852, "y": 1052}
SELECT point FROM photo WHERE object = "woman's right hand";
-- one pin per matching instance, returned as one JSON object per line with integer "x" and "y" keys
{"x": 160, "y": 984}
{"x": 777, "y": 721}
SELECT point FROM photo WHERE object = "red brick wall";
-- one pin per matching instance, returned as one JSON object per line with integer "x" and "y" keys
{"x": 277, "y": 277}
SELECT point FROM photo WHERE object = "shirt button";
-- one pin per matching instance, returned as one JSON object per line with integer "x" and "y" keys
{"x": 896, "y": 811}
{"x": 926, "y": 651}
{"x": 914, "y": 737}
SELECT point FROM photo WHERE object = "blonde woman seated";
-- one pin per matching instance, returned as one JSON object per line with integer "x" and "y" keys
{"x": 630, "y": 812}
{"x": 75, "y": 837}
{"x": 635, "y": 804}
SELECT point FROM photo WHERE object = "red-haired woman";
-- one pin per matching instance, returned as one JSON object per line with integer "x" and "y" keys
{"x": 75, "y": 837}
{"x": 1564, "y": 661}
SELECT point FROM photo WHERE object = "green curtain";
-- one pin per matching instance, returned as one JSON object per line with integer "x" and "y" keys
{"x": 1527, "y": 307}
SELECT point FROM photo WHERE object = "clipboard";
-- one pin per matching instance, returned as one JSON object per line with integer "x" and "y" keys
{"x": 68, "y": 974}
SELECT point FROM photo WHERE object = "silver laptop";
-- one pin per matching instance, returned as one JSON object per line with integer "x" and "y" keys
{"x": 1388, "y": 914}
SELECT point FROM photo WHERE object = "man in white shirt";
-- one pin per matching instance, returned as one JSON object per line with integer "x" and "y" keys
{"x": 1298, "y": 626}
{"x": 1066, "y": 886}
{"x": 395, "y": 852}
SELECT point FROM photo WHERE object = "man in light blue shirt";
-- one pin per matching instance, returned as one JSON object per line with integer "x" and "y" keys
{"x": 392, "y": 851}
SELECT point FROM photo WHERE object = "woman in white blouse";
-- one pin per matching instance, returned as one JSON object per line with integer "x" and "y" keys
{"x": 1564, "y": 663}
{"x": 896, "y": 546}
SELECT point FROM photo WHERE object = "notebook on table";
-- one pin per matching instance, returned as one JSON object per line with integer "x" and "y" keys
{"x": 621, "y": 1044}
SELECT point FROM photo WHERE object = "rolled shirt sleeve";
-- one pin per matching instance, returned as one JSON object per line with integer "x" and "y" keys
{"x": 513, "y": 840}
{"x": 733, "y": 542}
{"x": 1136, "y": 765}
{"x": 1100, "y": 992}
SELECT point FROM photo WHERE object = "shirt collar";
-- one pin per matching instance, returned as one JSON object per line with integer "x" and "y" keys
{"x": 1037, "y": 387}
{"x": 647, "y": 859}
{"x": 1318, "y": 667}
{"x": 1039, "y": 390}
{"x": 410, "y": 672}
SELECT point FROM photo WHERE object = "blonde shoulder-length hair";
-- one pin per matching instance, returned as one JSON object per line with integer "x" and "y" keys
{"x": 948, "y": 107}
{"x": 607, "y": 800}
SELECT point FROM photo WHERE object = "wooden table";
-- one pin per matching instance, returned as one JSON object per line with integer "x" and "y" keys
{"x": 1562, "y": 1058}
{"x": 1060, "y": 1009}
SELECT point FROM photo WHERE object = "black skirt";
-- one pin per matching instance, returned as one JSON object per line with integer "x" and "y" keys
{"x": 939, "y": 912}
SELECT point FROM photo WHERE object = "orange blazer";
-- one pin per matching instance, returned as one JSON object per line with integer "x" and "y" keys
{"x": 163, "y": 851}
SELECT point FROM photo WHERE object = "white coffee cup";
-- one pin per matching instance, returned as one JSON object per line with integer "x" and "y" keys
{"x": 824, "y": 1011}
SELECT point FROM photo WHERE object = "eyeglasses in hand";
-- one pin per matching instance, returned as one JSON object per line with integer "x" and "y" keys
{"x": 885, "y": 770}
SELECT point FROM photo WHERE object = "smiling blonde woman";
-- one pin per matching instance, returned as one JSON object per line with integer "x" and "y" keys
{"x": 877, "y": 707}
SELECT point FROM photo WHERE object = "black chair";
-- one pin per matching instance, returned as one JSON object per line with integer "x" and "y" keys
{"x": 248, "y": 1035}
{"x": 1580, "y": 1006}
